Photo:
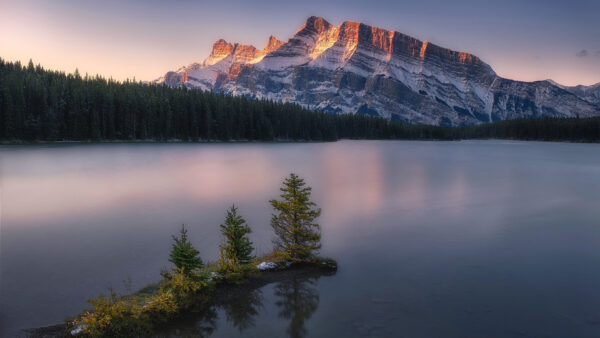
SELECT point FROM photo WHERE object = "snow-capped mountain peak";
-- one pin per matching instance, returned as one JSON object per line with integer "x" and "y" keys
{"x": 357, "y": 68}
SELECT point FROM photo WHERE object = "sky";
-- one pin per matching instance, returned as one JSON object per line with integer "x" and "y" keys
{"x": 522, "y": 40}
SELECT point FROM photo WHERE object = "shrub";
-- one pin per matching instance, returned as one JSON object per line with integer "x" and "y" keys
{"x": 115, "y": 317}
{"x": 136, "y": 316}
{"x": 161, "y": 306}
{"x": 185, "y": 288}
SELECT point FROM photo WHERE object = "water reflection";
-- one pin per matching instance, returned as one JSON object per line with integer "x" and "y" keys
{"x": 241, "y": 311}
{"x": 244, "y": 309}
{"x": 203, "y": 324}
{"x": 298, "y": 299}
{"x": 461, "y": 227}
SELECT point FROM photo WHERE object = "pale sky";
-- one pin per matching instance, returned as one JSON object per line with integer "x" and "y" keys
{"x": 522, "y": 40}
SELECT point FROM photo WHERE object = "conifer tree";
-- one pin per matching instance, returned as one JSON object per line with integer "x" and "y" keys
{"x": 183, "y": 254}
{"x": 294, "y": 223}
{"x": 236, "y": 249}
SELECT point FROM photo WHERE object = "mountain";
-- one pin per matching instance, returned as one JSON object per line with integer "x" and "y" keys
{"x": 354, "y": 68}
{"x": 588, "y": 93}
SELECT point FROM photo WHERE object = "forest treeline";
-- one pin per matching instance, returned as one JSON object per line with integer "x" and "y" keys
{"x": 42, "y": 105}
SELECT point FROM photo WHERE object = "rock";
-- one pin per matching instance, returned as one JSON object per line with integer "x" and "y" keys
{"x": 327, "y": 263}
{"x": 213, "y": 276}
{"x": 265, "y": 266}
{"x": 79, "y": 329}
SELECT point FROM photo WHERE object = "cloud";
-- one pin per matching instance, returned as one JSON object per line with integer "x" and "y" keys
{"x": 582, "y": 53}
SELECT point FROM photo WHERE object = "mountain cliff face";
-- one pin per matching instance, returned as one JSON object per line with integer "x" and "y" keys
{"x": 355, "y": 68}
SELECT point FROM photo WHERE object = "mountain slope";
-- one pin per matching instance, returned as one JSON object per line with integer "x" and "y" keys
{"x": 356, "y": 68}
{"x": 589, "y": 93}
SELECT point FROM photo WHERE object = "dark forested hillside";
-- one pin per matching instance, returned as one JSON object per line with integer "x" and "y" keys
{"x": 36, "y": 104}
{"x": 41, "y": 105}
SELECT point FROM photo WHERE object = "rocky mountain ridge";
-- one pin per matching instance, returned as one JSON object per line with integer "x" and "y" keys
{"x": 589, "y": 93}
{"x": 356, "y": 68}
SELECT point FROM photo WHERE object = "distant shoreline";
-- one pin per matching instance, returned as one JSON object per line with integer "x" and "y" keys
{"x": 175, "y": 141}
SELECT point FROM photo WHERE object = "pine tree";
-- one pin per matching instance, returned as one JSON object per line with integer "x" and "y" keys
{"x": 237, "y": 248}
{"x": 183, "y": 254}
{"x": 297, "y": 233}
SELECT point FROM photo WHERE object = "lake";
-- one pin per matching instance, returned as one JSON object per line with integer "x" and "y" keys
{"x": 452, "y": 239}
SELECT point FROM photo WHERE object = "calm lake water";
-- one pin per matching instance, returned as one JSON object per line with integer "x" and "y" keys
{"x": 433, "y": 239}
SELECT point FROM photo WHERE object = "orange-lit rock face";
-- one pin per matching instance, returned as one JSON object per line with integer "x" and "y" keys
{"x": 272, "y": 45}
{"x": 234, "y": 71}
{"x": 423, "y": 50}
{"x": 324, "y": 41}
{"x": 245, "y": 54}
{"x": 382, "y": 39}
{"x": 465, "y": 57}
{"x": 184, "y": 76}
{"x": 318, "y": 24}
{"x": 221, "y": 49}
{"x": 349, "y": 35}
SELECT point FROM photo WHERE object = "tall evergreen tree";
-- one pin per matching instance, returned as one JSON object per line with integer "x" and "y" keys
{"x": 294, "y": 221}
{"x": 183, "y": 254}
{"x": 237, "y": 248}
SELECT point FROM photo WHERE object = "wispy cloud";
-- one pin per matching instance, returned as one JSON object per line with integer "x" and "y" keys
{"x": 582, "y": 53}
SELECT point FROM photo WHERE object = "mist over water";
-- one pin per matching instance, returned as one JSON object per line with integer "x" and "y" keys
{"x": 454, "y": 239}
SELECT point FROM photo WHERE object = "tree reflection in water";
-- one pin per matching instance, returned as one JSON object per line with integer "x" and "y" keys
{"x": 295, "y": 295}
{"x": 200, "y": 324}
{"x": 298, "y": 299}
{"x": 242, "y": 311}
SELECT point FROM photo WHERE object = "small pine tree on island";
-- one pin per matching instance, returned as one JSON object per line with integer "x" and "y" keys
{"x": 237, "y": 248}
{"x": 298, "y": 235}
{"x": 183, "y": 254}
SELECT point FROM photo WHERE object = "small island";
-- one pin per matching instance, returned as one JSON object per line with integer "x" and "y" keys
{"x": 193, "y": 285}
